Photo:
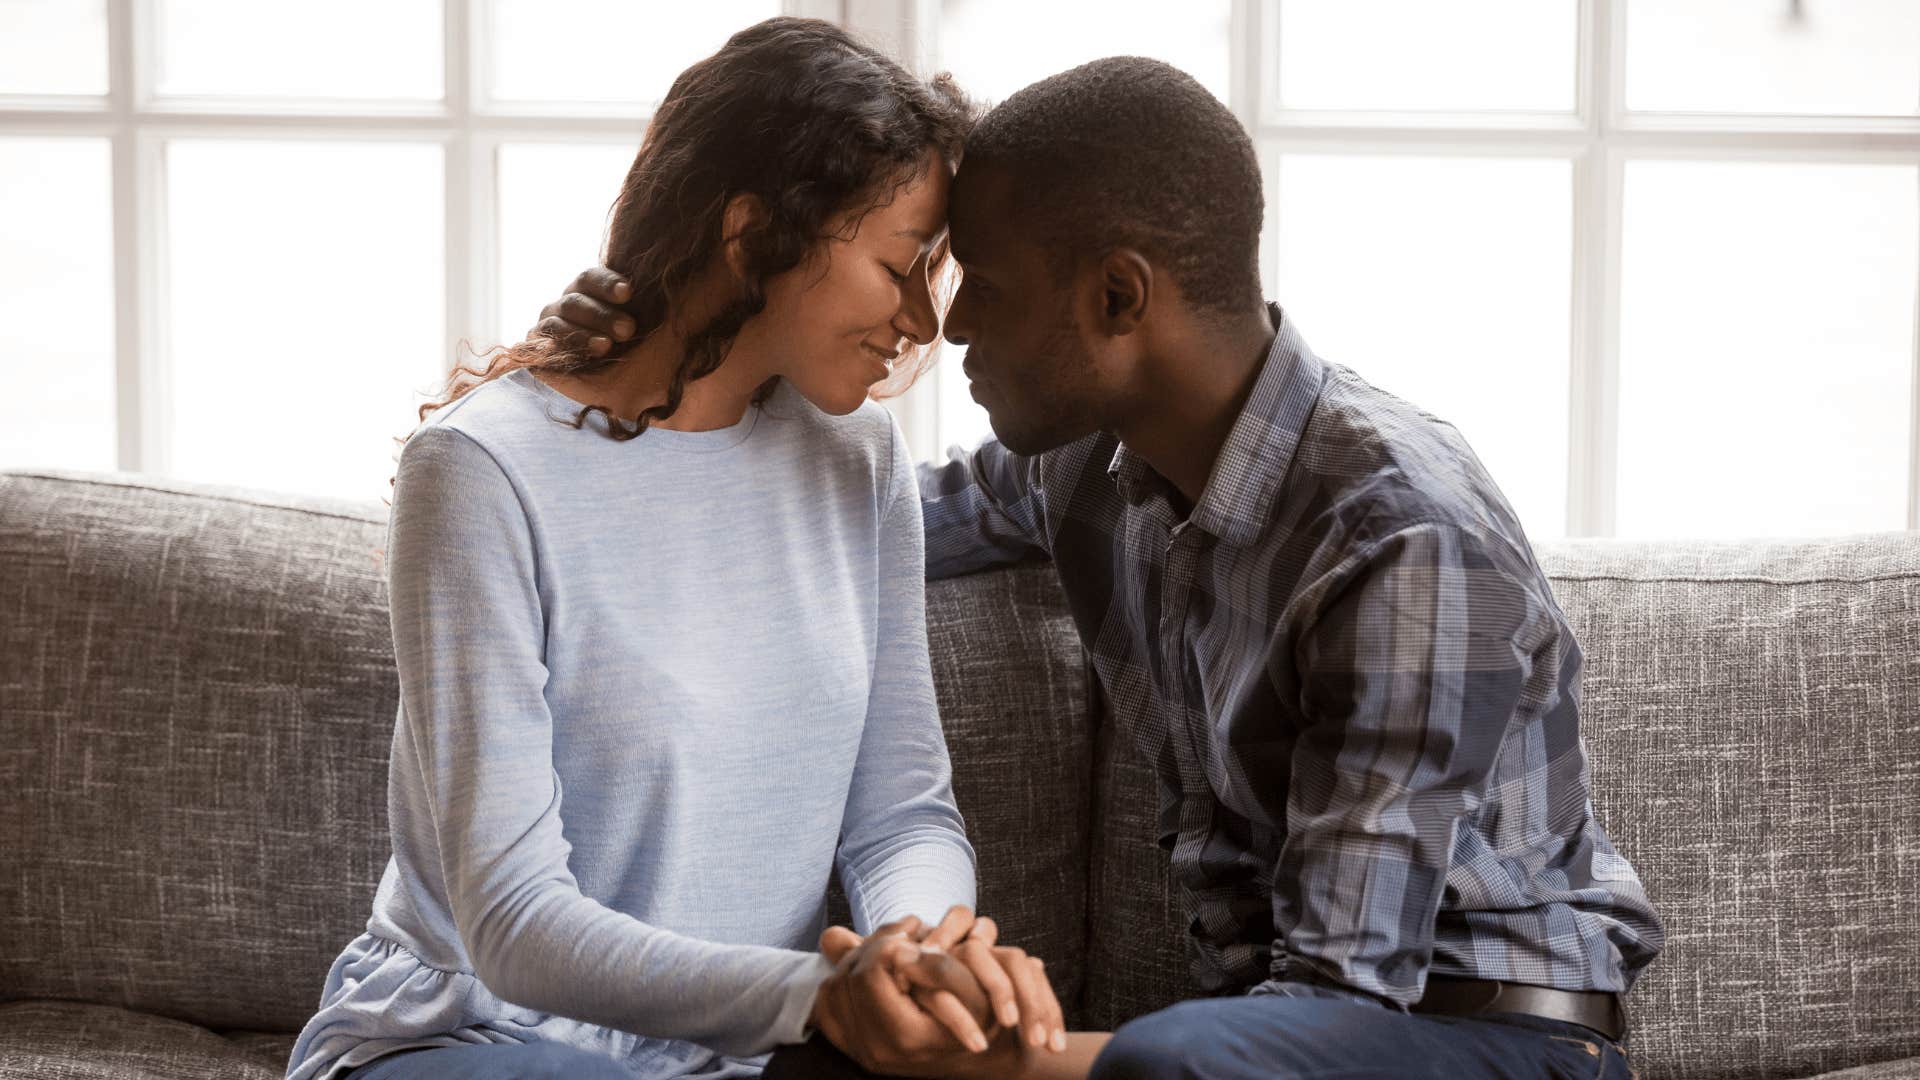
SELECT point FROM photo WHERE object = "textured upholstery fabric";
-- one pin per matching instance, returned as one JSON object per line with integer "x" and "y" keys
{"x": 1905, "y": 1069}
{"x": 1754, "y": 720}
{"x": 61, "y": 1040}
{"x": 1012, "y": 683}
{"x": 197, "y": 690}
{"x": 1753, "y": 717}
{"x": 196, "y": 694}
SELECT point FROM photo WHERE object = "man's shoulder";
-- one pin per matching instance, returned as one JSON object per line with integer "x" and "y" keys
{"x": 1371, "y": 466}
{"x": 1367, "y": 444}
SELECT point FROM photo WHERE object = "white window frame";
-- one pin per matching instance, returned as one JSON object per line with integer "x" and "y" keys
{"x": 468, "y": 128}
{"x": 1598, "y": 140}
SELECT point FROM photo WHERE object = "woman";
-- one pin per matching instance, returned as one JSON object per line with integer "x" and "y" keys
{"x": 659, "y": 618}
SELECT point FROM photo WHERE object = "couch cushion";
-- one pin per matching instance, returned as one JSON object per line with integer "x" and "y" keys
{"x": 63, "y": 1040}
{"x": 198, "y": 689}
{"x": 1012, "y": 682}
{"x": 1905, "y": 1069}
{"x": 1753, "y": 717}
{"x": 198, "y": 692}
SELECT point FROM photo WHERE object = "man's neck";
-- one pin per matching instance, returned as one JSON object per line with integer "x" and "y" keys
{"x": 1198, "y": 388}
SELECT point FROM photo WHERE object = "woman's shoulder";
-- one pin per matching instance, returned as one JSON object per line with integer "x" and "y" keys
{"x": 868, "y": 434}
{"x": 496, "y": 416}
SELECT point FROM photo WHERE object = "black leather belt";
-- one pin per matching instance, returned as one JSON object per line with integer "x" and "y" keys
{"x": 1596, "y": 1009}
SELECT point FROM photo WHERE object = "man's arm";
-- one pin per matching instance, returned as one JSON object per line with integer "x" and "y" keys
{"x": 1419, "y": 662}
{"x": 982, "y": 509}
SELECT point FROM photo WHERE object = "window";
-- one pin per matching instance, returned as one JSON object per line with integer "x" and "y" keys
{"x": 1658, "y": 259}
{"x": 244, "y": 241}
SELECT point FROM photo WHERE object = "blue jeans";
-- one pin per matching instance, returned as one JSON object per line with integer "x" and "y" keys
{"x": 1288, "y": 1038}
{"x": 494, "y": 1061}
{"x": 1312, "y": 1038}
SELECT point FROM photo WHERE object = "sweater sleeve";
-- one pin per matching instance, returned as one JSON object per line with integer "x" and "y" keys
{"x": 903, "y": 846}
{"x": 469, "y": 641}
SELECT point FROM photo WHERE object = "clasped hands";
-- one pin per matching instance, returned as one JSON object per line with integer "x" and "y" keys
{"x": 935, "y": 1001}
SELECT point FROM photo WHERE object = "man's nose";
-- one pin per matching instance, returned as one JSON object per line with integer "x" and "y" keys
{"x": 956, "y": 328}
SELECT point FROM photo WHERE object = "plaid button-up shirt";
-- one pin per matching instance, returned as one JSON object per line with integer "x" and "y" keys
{"x": 1351, "y": 676}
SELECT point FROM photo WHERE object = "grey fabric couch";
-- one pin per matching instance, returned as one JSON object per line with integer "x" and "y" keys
{"x": 196, "y": 697}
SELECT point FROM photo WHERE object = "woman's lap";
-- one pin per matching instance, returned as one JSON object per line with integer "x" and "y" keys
{"x": 494, "y": 1061}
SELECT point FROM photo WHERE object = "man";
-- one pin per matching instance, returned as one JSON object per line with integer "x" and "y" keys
{"x": 1307, "y": 603}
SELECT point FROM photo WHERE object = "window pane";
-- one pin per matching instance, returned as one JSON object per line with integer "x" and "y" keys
{"x": 1421, "y": 55}
{"x": 53, "y": 47}
{"x": 994, "y": 47}
{"x": 1847, "y": 57}
{"x": 962, "y": 422}
{"x": 56, "y": 304}
{"x": 592, "y": 50}
{"x": 555, "y": 202}
{"x": 1446, "y": 282}
{"x": 1766, "y": 347}
{"x": 307, "y": 290}
{"x": 339, "y": 49}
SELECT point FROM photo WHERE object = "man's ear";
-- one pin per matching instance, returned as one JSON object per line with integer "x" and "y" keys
{"x": 1126, "y": 288}
{"x": 744, "y": 214}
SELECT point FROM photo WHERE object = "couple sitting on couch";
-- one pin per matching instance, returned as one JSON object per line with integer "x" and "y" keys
{"x": 666, "y": 560}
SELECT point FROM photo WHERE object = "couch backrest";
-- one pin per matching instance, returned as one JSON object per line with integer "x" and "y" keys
{"x": 196, "y": 700}
{"x": 1752, "y": 712}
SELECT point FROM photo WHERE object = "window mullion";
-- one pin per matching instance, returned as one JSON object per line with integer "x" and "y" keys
{"x": 130, "y": 284}
{"x": 1913, "y": 414}
{"x": 468, "y": 287}
{"x": 1594, "y": 371}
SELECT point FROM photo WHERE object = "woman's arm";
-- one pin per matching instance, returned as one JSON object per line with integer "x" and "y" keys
{"x": 469, "y": 634}
{"x": 903, "y": 847}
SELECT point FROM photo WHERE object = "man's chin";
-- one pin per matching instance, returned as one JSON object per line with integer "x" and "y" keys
{"x": 1028, "y": 442}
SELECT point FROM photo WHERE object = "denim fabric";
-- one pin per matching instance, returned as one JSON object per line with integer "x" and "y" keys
{"x": 1260, "y": 1037}
{"x": 1315, "y": 1038}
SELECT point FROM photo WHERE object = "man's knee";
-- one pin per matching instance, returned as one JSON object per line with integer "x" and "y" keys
{"x": 1157, "y": 1046}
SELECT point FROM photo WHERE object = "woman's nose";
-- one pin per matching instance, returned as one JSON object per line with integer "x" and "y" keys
{"x": 916, "y": 320}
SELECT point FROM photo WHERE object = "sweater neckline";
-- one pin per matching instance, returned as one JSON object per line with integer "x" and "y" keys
{"x": 564, "y": 408}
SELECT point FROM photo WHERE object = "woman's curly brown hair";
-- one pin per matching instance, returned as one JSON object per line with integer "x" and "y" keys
{"x": 794, "y": 112}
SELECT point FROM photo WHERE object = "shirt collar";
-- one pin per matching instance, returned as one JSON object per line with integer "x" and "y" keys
{"x": 1245, "y": 483}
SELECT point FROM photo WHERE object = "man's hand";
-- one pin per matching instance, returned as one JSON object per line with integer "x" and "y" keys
{"x": 898, "y": 1008}
{"x": 585, "y": 316}
{"x": 1016, "y": 984}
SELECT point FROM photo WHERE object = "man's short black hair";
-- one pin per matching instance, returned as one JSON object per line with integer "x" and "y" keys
{"x": 1132, "y": 152}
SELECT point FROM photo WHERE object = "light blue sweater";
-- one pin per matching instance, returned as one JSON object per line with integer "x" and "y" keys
{"x": 650, "y": 693}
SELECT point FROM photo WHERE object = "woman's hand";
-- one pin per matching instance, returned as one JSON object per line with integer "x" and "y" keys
{"x": 587, "y": 313}
{"x": 1016, "y": 984}
{"x": 896, "y": 1007}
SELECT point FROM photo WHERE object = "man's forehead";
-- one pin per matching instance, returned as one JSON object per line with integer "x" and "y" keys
{"x": 979, "y": 214}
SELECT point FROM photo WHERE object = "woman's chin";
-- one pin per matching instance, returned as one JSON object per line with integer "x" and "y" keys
{"x": 839, "y": 401}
